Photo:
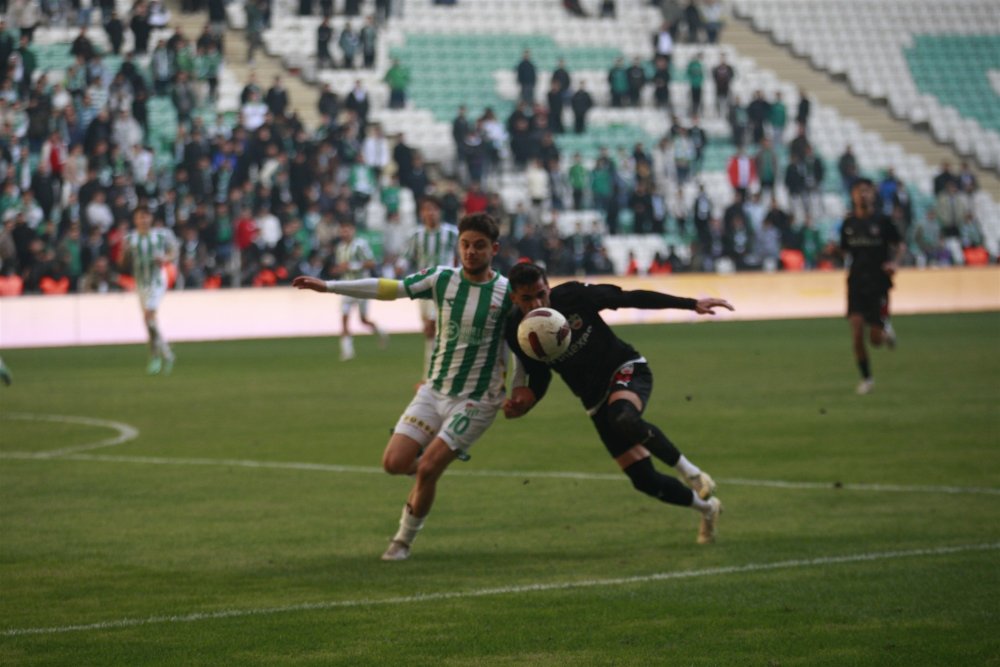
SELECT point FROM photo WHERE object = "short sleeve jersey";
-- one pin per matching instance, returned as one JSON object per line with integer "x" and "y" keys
{"x": 869, "y": 241}
{"x": 354, "y": 254}
{"x": 595, "y": 352}
{"x": 434, "y": 247}
{"x": 469, "y": 358}
{"x": 146, "y": 251}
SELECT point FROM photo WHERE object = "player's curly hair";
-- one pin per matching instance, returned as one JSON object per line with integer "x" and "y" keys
{"x": 482, "y": 223}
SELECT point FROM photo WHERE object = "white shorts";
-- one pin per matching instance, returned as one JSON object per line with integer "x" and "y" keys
{"x": 428, "y": 310}
{"x": 348, "y": 302}
{"x": 151, "y": 295}
{"x": 457, "y": 421}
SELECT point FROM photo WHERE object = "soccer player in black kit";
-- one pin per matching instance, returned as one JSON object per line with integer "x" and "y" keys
{"x": 874, "y": 245}
{"x": 613, "y": 381}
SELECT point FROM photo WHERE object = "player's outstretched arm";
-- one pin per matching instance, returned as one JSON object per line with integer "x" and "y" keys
{"x": 708, "y": 306}
{"x": 308, "y": 282}
{"x": 384, "y": 289}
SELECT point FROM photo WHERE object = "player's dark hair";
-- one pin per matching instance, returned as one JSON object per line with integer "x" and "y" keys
{"x": 429, "y": 199}
{"x": 525, "y": 273}
{"x": 141, "y": 208}
{"x": 862, "y": 181}
{"x": 482, "y": 223}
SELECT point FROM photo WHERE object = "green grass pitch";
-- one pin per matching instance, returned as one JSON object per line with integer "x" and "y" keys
{"x": 242, "y": 524}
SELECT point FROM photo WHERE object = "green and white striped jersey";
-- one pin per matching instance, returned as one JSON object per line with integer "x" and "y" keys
{"x": 354, "y": 254}
{"x": 470, "y": 355}
{"x": 146, "y": 251}
{"x": 437, "y": 247}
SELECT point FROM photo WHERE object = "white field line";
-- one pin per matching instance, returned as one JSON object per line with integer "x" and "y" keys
{"x": 125, "y": 432}
{"x": 459, "y": 472}
{"x": 503, "y": 590}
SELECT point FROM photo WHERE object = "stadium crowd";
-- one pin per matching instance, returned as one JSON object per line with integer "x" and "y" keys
{"x": 257, "y": 199}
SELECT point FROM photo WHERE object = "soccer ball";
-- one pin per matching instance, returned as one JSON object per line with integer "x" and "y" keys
{"x": 544, "y": 334}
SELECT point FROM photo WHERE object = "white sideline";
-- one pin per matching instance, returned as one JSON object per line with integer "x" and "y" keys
{"x": 504, "y": 590}
{"x": 459, "y": 472}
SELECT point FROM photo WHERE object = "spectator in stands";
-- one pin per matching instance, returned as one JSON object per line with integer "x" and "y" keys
{"x": 358, "y": 102}
{"x": 618, "y": 82}
{"x": 696, "y": 79}
{"x": 684, "y": 156}
{"x": 723, "y": 75}
{"x": 398, "y": 79}
{"x": 368, "y": 36}
{"x": 348, "y": 43}
{"x": 711, "y": 11}
{"x": 139, "y": 24}
{"x": 324, "y": 35}
{"x": 887, "y": 189}
{"x": 661, "y": 82}
{"x": 952, "y": 209}
{"x": 115, "y": 30}
{"x": 574, "y": 8}
{"x": 800, "y": 144}
{"x": 739, "y": 122}
{"x": 847, "y": 165}
{"x": 555, "y": 109}
{"x": 815, "y": 172}
{"x": 902, "y": 207}
{"x": 663, "y": 42}
{"x": 561, "y": 76}
{"x": 276, "y": 98}
{"x": 945, "y": 176}
{"x": 766, "y": 162}
{"x": 967, "y": 181}
{"x": 778, "y": 119}
{"x": 758, "y": 113}
{"x": 636, "y": 76}
{"x": 742, "y": 172}
{"x": 804, "y": 108}
{"x": 692, "y": 20}
{"x": 527, "y": 77}
{"x": 256, "y": 22}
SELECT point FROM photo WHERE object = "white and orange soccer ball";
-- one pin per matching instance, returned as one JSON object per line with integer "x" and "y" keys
{"x": 544, "y": 334}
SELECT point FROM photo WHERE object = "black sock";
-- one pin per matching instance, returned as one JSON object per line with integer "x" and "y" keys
{"x": 660, "y": 446}
{"x": 668, "y": 489}
{"x": 866, "y": 372}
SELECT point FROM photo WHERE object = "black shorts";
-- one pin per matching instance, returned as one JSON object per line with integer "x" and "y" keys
{"x": 872, "y": 305}
{"x": 635, "y": 377}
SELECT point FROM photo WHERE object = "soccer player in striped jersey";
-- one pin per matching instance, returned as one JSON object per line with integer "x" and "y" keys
{"x": 354, "y": 259}
{"x": 433, "y": 244}
{"x": 149, "y": 251}
{"x": 464, "y": 387}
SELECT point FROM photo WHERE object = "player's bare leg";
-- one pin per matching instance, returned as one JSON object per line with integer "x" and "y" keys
{"x": 860, "y": 353}
{"x": 383, "y": 337}
{"x": 401, "y": 455}
{"x": 435, "y": 460}
{"x": 346, "y": 340}
{"x": 159, "y": 352}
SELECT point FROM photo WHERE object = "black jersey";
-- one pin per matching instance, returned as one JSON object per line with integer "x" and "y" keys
{"x": 595, "y": 353}
{"x": 870, "y": 242}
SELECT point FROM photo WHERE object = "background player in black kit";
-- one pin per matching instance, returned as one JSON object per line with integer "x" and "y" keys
{"x": 613, "y": 381}
{"x": 874, "y": 245}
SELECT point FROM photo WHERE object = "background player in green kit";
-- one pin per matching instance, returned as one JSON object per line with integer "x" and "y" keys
{"x": 148, "y": 250}
{"x": 435, "y": 243}
{"x": 464, "y": 386}
{"x": 874, "y": 245}
{"x": 354, "y": 260}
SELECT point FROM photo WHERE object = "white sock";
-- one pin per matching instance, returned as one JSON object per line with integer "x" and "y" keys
{"x": 409, "y": 526}
{"x": 686, "y": 468}
{"x": 698, "y": 504}
{"x": 346, "y": 345}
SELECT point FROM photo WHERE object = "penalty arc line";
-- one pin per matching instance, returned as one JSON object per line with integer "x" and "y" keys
{"x": 125, "y": 432}
{"x": 503, "y": 590}
{"x": 536, "y": 474}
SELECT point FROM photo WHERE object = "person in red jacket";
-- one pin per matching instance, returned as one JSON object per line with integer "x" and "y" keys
{"x": 742, "y": 172}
